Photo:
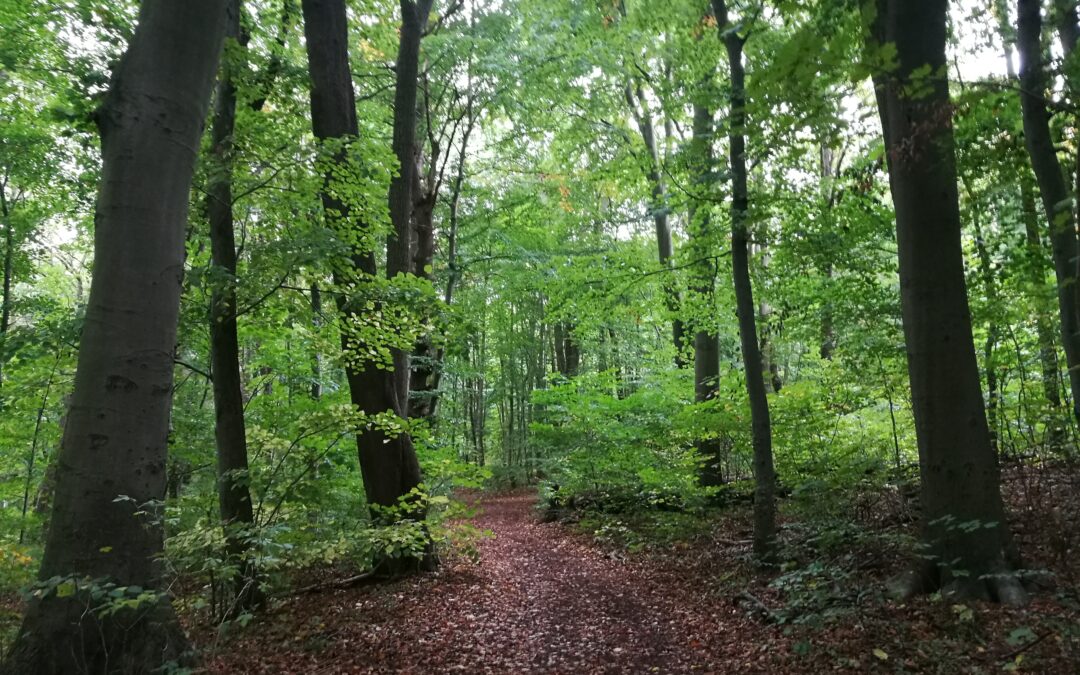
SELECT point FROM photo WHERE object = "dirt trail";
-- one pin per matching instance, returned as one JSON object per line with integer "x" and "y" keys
{"x": 540, "y": 600}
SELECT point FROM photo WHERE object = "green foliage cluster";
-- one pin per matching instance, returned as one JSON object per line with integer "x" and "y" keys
{"x": 615, "y": 453}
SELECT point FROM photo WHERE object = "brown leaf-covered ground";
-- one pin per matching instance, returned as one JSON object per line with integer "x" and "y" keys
{"x": 539, "y": 600}
{"x": 544, "y": 598}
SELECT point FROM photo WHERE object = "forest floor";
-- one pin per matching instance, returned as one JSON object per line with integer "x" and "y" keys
{"x": 548, "y": 598}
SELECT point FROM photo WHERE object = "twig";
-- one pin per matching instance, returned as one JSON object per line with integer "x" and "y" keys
{"x": 194, "y": 369}
{"x": 1024, "y": 647}
{"x": 733, "y": 542}
{"x": 337, "y": 583}
{"x": 762, "y": 607}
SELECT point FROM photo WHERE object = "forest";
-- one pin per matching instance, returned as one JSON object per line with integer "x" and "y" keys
{"x": 539, "y": 336}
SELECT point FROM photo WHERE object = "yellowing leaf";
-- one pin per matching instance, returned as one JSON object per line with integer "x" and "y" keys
{"x": 65, "y": 589}
{"x": 881, "y": 654}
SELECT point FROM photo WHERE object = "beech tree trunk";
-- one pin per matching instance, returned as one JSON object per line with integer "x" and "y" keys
{"x": 567, "y": 352}
{"x": 706, "y": 341}
{"x": 964, "y": 533}
{"x": 764, "y": 472}
{"x": 1052, "y": 186}
{"x": 316, "y": 358}
{"x": 110, "y": 475}
{"x": 1036, "y": 249}
{"x": 993, "y": 330}
{"x": 426, "y": 360}
{"x": 659, "y": 208}
{"x": 1036, "y": 252}
{"x": 427, "y": 373}
{"x": 399, "y": 246}
{"x": 9, "y": 262}
{"x": 234, "y": 494}
{"x": 388, "y": 462}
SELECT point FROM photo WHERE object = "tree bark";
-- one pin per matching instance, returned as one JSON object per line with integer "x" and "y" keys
{"x": 399, "y": 246}
{"x": 234, "y": 494}
{"x": 1036, "y": 248}
{"x": 316, "y": 357}
{"x": 706, "y": 338}
{"x": 567, "y": 352}
{"x": 9, "y": 263}
{"x": 388, "y": 462}
{"x": 993, "y": 330}
{"x": 964, "y": 531}
{"x": 106, "y": 522}
{"x": 1052, "y": 186}
{"x": 1036, "y": 251}
{"x": 427, "y": 377}
{"x": 764, "y": 472}
{"x": 659, "y": 208}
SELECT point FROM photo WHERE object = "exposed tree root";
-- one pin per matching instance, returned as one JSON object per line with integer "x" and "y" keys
{"x": 1002, "y": 586}
{"x": 70, "y": 636}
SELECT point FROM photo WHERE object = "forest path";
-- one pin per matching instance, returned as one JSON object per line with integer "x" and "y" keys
{"x": 541, "y": 599}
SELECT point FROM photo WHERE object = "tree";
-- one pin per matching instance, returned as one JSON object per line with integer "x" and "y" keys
{"x": 706, "y": 339}
{"x": 234, "y": 494}
{"x": 105, "y": 527}
{"x": 387, "y": 458}
{"x": 403, "y": 187}
{"x": 753, "y": 368}
{"x": 658, "y": 208}
{"x": 968, "y": 552}
{"x": 1055, "y": 193}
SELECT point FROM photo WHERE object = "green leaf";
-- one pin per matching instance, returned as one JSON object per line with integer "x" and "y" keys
{"x": 65, "y": 589}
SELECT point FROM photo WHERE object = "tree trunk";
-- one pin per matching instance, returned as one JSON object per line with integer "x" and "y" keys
{"x": 1067, "y": 25}
{"x": 773, "y": 383}
{"x": 1055, "y": 193}
{"x": 1036, "y": 248}
{"x": 764, "y": 472}
{"x": 414, "y": 16}
{"x": 425, "y": 362}
{"x": 106, "y": 525}
{"x": 388, "y": 462}
{"x": 828, "y": 330}
{"x": 989, "y": 284}
{"x": 706, "y": 341}
{"x": 316, "y": 357}
{"x": 1036, "y": 252}
{"x": 9, "y": 261}
{"x": 234, "y": 494}
{"x": 427, "y": 377}
{"x": 659, "y": 208}
{"x": 567, "y": 352}
{"x": 964, "y": 532}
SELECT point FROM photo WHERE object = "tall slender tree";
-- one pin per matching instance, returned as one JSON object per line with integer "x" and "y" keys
{"x": 753, "y": 367}
{"x": 234, "y": 493}
{"x": 110, "y": 474}
{"x": 706, "y": 337}
{"x": 400, "y": 245}
{"x": 659, "y": 210}
{"x": 1057, "y": 205}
